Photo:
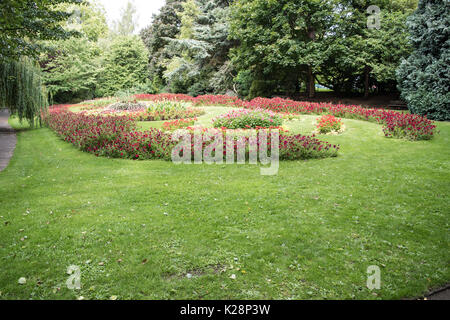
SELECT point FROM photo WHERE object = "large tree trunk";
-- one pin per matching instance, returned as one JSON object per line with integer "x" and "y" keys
{"x": 366, "y": 82}
{"x": 293, "y": 84}
{"x": 298, "y": 86}
{"x": 311, "y": 86}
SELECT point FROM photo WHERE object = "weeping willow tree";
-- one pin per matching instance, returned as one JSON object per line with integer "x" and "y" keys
{"x": 22, "y": 90}
{"x": 24, "y": 27}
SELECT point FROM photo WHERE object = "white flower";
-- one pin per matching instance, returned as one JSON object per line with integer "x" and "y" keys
{"x": 22, "y": 280}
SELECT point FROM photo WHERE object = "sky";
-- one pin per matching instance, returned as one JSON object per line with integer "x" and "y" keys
{"x": 145, "y": 10}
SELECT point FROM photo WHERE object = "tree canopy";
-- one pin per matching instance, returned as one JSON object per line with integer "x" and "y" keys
{"x": 124, "y": 66}
{"x": 23, "y": 23}
{"x": 285, "y": 43}
{"x": 71, "y": 67}
{"x": 165, "y": 25}
{"x": 281, "y": 42}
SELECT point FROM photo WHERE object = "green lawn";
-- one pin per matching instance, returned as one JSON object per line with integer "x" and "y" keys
{"x": 136, "y": 229}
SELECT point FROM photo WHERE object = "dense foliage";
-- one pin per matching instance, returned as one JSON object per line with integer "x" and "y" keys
{"x": 281, "y": 42}
{"x": 424, "y": 78}
{"x": 363, "y": 59}
{"x": 165, "y": 25}
{"x": 125, "y": 65}
{"x": 259, "y": 48}
{"x": 24, "y": 22}
{"x": 200, "y": 51}
{"x": 100, "y": 61}
{"x": 71, "y": 67}
{"x": 290, "y": 44}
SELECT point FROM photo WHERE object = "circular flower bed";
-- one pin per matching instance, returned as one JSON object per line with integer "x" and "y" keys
{"x": 329, "y": 124}
{"x": 395, "y": 124}
{"x": 116, "y": 137}
{"x": 243, "y": 119}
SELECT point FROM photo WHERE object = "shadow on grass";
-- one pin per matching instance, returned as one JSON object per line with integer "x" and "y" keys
{"x": 7, "y": 130}
{"x": 20, "y": 126}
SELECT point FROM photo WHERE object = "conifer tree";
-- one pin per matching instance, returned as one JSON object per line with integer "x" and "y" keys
{"x": 424, "y": 78}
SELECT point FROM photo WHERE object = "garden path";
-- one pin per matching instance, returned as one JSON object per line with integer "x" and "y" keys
{"x": 440, "y": 294}
{"x": 7, "y": 140}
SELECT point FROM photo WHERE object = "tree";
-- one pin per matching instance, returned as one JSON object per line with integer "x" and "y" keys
{"x": 22, "y": 90}
{"x": 212, "y": 28}
{"x": 282, "y": 41}
{"x": 24, "y": 22}
{"x": 165, "y": 25}
{"x": 360, "y": 56}
{"x": 424, "y": 77}
{"x": 88, "y": 18}
{"x": 127, "y": 24}
{"x": 180, "y": 73}
{"x": 200, "y": 52}
{"x": 71, "y": 73}
{"x": 124, "y": 66}
{"x": 287, "y": 43}
{"x": 71, "y": 68}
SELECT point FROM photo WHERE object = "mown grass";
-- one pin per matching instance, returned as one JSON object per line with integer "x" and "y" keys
{"x": 136, "y": 229}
